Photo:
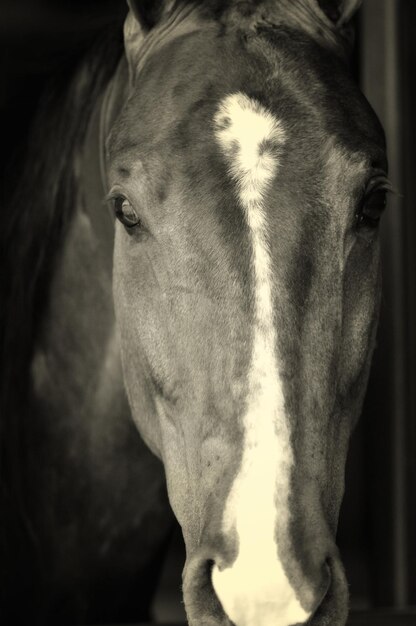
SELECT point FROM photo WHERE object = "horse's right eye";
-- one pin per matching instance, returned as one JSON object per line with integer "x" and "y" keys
{"x": 125, "y": 212}
{"x": 371, "y": 210}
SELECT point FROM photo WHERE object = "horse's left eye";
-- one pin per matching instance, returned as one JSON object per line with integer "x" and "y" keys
{"x": 369, "y": 214}
{"x": 125, "y": 212}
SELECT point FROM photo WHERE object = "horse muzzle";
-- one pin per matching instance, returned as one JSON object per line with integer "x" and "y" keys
{"x": 325, "y": 597}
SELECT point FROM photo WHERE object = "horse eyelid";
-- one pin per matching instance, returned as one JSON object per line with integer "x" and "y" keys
{"x": 114, "y": 193}
{"x": 379, "y": 182}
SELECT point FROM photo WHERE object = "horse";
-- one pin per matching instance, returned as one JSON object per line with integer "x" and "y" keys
{"x": 193, "y": 285}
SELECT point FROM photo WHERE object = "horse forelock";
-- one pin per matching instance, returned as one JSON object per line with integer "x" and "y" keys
{"x": 322, "y": 21}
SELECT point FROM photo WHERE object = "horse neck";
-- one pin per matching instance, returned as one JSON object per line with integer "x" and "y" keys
{"x": 83, "y": 267}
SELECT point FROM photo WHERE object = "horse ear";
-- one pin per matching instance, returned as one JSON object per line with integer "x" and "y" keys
{"x": 143, "y": 15}
{"x": 340, "y": 12}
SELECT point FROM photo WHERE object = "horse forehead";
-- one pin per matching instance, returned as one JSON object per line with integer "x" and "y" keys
{"x": 186, "y": 79}
{"x": 179, "y": 122}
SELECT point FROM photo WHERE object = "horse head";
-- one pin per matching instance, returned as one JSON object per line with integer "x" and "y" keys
{"x": 248, "y": 176}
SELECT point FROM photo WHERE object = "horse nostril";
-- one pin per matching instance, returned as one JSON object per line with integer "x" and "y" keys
{"x": 326, "y": 576}
{"x": 324, "y": 586}
{"x": 201, "y": 601}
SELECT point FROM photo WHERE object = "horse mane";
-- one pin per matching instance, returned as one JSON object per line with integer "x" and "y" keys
{"x": 35, "y": 223}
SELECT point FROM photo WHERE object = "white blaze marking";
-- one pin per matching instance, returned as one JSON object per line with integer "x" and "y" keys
{"x": 255, "y": 590}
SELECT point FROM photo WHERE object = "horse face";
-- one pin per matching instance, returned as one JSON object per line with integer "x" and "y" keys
{"x": 247, "y": 173}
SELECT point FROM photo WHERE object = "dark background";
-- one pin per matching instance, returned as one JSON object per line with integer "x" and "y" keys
{"x": 377, "y": 534}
